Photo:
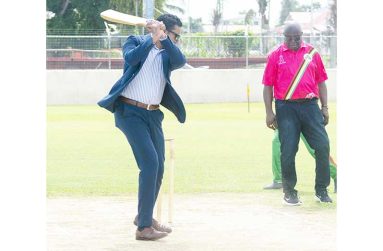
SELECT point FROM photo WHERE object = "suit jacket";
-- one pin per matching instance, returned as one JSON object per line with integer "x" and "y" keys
{"x": 135, "y": 51}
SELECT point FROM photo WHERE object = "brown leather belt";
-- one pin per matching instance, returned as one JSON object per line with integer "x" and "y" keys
{"x": 300, "y": 100}
{"x": 139, "y": 104}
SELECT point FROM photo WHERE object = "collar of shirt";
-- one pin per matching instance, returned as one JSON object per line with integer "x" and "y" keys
{"x": 285, "y": 48}
{"x": 157, "y": 49}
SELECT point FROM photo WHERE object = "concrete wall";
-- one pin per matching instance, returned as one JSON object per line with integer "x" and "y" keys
{"x": 194, "y": 86}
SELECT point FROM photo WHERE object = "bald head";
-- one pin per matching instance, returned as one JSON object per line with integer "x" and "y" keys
{"x": 292, "y": 28}
{"x": 293, "y": 35}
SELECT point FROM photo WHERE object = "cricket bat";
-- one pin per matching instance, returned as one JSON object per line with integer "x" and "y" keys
{"x": 122, "y": 18}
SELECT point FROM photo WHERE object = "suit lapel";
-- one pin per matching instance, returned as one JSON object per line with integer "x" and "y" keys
{"x": 142, "y": 39}
{"x": 165, "y": 64}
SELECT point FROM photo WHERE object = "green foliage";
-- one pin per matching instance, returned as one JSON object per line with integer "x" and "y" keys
{"x": 83, "y": 16}
{"x": 195, "y": 25}
{"x": 236, "y": 47}
{"x": 250, "y": 16}
{"x": 307, "y": 7}
{"x": 77, "y": 16}
{"x": 174, "y": 9}
{"x": 215, "y": 47}
{"x": 127, "y": 6}
{"x": 200, "y": 46}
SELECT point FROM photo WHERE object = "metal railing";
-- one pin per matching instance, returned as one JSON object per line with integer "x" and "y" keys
{"x": 104, "y": 52}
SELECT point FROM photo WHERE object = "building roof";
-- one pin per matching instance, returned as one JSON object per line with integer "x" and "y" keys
{"x": 319, "y": 20}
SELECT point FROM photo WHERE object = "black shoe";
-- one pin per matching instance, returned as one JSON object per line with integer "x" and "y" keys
{"x": 335, "y": 185}
{"x": 291, "y": 199}
{"x": 274, "y": 185}
{"x": 323, "y": 197}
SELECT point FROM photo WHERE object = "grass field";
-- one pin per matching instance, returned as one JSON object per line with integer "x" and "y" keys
{"x": 220, "y": 148}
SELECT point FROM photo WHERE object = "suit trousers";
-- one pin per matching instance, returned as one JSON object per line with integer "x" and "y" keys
{"x": 294, "y": 118}
{"x": 143, "y": 130}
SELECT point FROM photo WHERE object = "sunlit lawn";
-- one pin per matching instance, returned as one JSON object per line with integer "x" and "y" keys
{"x": 220, "y": 148}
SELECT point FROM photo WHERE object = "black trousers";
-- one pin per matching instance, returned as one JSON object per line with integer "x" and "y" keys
{"x": 305, "y": 117}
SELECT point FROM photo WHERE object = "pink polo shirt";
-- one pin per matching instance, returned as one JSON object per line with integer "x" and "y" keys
{"x": 283, "y": 63}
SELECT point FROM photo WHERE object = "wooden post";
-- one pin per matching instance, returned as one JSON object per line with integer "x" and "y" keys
{"x": 159, "y": 206}
{"x": 171, "y": 186}
{"x": 171, "y": 181}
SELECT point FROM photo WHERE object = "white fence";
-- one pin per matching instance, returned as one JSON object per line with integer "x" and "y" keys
{"x": 216, "y": 52}
{"x": 72, "y": 87}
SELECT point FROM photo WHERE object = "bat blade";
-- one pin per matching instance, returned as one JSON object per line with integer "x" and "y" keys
{"x": 122, "y": 18}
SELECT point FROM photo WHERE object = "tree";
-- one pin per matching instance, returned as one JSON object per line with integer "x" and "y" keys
{"x": 287, "y": 7}
{"x": 237, "y": 47}
{"x": 333, "y": 18}
{"x": 307, "y": 7}
{"x": 217, "y": 15}
{"x": 75, "y": 16}
{"x": 65, "y": 17}
{"x": 195, "y": 25}
{"x": 250, "y": 16}
{"x": 174, "y": 9}
{"x": 216, "y": 19}
{"x": 262, "y": 10}
{"x": 332, "y": 30}
{"x": 125, "y": 6}
{"x": 130, "y": 7}
{"x": 89, "y": 14}
{"x": 79, "y": 16}
{"x": 293, "y": 5}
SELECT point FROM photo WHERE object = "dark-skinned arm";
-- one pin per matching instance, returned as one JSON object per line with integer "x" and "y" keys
{"x": 323, "y": 101}
{"x": 271, "y": 121}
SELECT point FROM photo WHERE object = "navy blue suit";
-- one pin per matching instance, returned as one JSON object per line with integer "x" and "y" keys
{"x": 135, "y": 51}
{"x": 143, "y": 128}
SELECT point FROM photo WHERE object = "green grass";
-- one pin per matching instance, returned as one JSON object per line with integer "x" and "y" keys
{"x": 220, "y": 148}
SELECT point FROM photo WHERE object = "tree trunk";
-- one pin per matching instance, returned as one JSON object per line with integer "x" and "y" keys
{"x": 64, "y": 6}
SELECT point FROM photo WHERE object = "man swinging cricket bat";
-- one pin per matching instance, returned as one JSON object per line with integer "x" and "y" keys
{"x": 136, "y": 99}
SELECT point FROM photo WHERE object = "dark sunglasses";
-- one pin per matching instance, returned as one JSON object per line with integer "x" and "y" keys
{"x": 294, "y": 37}
{"x": 177, "y": 36}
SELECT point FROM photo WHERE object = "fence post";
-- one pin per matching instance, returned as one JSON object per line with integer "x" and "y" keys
{"x": 247, "y": 45}
{"x": 109, "y": 46}
{"x": 333, "y": 51}
{"x": 109, "y": 52}
{"x": 260, "y": 36}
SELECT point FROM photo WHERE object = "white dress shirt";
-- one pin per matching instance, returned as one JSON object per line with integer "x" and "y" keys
{"x": 149, "y": 84}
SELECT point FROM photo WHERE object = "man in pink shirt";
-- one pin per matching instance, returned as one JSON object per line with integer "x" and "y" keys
{"x": 295, "y": 74}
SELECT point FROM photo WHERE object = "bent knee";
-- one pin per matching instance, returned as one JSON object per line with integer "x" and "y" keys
{"x": 322, "y": 148}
